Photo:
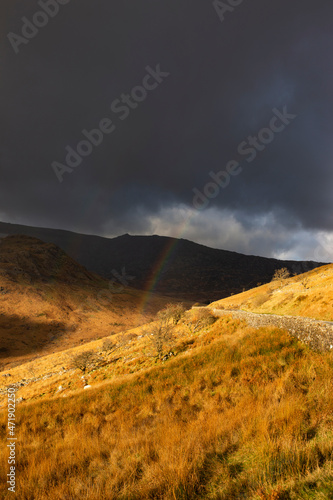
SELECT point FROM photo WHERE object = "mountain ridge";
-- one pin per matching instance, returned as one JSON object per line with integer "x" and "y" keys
{"x": 176, "y": 267}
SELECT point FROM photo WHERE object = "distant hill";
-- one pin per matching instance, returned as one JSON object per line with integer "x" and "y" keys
{"x": 179, "y": 268}
{"x": 49, "y": 303}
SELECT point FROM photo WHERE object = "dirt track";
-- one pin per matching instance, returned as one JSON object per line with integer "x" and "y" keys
{"x": 318, "y": 334}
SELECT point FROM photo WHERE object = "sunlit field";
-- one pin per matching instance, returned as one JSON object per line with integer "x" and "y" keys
{"x": 243, "y": 413}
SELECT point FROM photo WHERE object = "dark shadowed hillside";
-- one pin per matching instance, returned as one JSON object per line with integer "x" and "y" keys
{"x": 49, "y": 303}
{"x": 179, "y": 268}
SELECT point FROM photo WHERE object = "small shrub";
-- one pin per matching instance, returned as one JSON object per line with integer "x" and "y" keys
{"x": 173, "y": 312}
{"x": 126, "y": 337}
{"x": 84, "y": 360}
{"x": 261, "y": 299}
{"x": 305, "y": 282}
{"x": 300, "y": 298}
{"x": 108, "y": 346}
{"x": 200, "y": 318}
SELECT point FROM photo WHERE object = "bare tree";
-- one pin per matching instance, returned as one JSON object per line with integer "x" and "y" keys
{"x": 161, "y": 333}
{"x": 84, "y": 360}
{"x": 161, "y": 336}
{"x": 109, "y": 346}
{"x": 281, "y": 274}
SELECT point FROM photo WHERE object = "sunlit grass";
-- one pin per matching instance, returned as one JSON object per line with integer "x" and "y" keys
{"x": 245, "y": 414}
{"x": 309, "y": 294}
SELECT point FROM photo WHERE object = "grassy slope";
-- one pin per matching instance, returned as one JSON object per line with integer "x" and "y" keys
{"x": 239, "y": 413}
{"x": 309, "y": 294}
{"x": 48, "y": 303}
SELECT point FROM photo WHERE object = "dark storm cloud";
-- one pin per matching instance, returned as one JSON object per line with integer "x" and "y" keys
{"x": 225, "y": 79}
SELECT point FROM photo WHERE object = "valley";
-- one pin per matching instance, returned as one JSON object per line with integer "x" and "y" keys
{"x": 139, "y": 396}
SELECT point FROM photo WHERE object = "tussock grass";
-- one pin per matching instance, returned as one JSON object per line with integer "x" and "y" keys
{"x": 245, "y": 414}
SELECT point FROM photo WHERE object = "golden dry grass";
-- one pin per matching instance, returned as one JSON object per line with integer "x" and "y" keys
{"x": 49, "y": 303}
{"x": 242, "y": 413}
{"x": 135, "y": 353}
{"x": 236, "y": 414}
{"x": 309, "y": 295}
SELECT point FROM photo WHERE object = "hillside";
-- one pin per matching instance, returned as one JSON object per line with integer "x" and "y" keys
{"x": 178, "y": 268}
{"x": 309, "y": 295}
{"x": 49, "y": 303}
{"x": 116, "y": 402}
{"x": 235, "y": 413}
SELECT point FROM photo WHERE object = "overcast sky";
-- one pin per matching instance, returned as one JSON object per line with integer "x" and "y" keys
{"x": 197, "y": 81}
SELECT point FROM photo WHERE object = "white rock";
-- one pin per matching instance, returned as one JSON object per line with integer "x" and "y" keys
{"x": 87, "y": 387}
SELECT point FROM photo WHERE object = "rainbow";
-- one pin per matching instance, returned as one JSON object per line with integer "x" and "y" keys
{"x": 160, "y": 264}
